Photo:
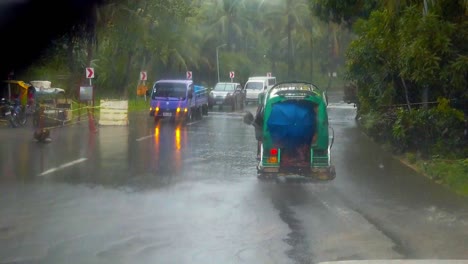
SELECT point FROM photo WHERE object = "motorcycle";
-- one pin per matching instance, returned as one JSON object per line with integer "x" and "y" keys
{"x": 21, "y": 112}
{"x": 12, "y": 113}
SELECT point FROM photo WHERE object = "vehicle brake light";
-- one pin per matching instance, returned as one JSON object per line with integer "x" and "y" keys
{"x": 273, "y": 156}
{"x": 273, "y": 152}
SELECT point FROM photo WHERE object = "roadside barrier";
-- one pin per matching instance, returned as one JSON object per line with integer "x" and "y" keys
{"x": 113, "y": 113}
{"x": 53, "y": 117}
{"x": 49, "y": 116}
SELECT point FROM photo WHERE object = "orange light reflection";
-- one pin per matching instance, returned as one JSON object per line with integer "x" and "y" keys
{"x": 177, "y": 138}
{"x": 156, "y": 135}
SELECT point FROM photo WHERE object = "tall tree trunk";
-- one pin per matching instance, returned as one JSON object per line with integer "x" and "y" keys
{"x": 406, "y": 93}
{"x": 311, "y": 56}
{"x": 330, "y": 55}
{"x": 148, "y": 66}
{"x": 425, "y": 96}
{"x": 127, "y": 73}
{"x": 91, "y": 36}
{"x": 71, "y": 62}
{"x": 91, "y": 33}
{"x": 70, "y": 57}
{"x": 273, "y": 57}
{"x": 290, "y": 59}
{"x": 89, "y": 52}
{"x": 289, "y": 31}
{"x": 230, "y": 33}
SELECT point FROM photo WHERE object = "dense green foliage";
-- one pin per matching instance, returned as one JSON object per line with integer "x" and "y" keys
{"x": 167, "y": 38}
{"x": 437, "y": 131}
{"x": 410, "y": 66}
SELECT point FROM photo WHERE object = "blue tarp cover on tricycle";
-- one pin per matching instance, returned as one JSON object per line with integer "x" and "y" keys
{"x": 291, "y": 124}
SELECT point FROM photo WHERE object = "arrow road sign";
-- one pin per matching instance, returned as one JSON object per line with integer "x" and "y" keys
{"x": 143, "y": 76}
{"x": 231, "y": 75}
{"x": 189, "y": 75}
{"x": 89, "y": 73}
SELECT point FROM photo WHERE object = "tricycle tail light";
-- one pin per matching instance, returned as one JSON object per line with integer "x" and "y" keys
{"x": 273, "y": 158}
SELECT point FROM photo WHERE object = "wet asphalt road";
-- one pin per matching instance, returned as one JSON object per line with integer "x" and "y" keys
{"x": 188, "y": 194}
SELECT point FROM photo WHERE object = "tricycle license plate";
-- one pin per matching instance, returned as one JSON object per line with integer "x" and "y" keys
{"x": 167, "y": 114}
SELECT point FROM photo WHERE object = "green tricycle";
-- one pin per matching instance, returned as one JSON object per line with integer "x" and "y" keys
{"x": 293, "y": 133}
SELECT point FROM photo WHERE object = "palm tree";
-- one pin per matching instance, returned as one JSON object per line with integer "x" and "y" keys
{"x": 141, "y": 34}
{"x": 291, "y": 14}
{"x": 226, "y": 22}
{"x": 307, "y": 35}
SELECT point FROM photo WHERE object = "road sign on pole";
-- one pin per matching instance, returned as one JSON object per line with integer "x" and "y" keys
{"x": 189, "y": 75}
{"x": 89, "y": 73}
{"x": 143, "y": 76}
{"x": 232, "y": 75}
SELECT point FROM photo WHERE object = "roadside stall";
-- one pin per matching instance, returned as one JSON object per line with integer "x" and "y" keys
{"x": 52, "y": 105}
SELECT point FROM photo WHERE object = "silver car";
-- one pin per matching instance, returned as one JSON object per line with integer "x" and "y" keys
{"x": 227, "y": 93}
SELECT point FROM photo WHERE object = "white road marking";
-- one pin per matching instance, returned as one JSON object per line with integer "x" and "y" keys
{"x": 194, "y": 122}
{"x": 68, "y": 164}
{"x": 341, "y": 106}
{"x": 225, "y": 117}
{"x": 145, "y": 137}
{"x": 226, "y": 113}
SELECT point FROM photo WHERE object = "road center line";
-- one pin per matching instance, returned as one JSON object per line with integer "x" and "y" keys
{"x": 68, "y": 164}
{"x": 145, "y": 137}
{"x": 193, "y": 122}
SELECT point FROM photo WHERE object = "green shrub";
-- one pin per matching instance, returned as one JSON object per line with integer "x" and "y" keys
{"x": 453, "y": 173}
{"x": 411, "y": 157}
{"x": 434, "y": 131}
{"x": 138, "y": 105}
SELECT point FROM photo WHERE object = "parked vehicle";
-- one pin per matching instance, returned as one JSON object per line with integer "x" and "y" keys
{"x": 256, "y": 85}
{"x": 178, "y": 100}
{"x": 293, "y": 132}
{"x": 17, "y": 95}
{"x": 9, "y": 113}
{"x": 228, "y": 93}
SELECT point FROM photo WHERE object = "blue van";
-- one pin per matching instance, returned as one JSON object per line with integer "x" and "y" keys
{"x": 178, "y": 100}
